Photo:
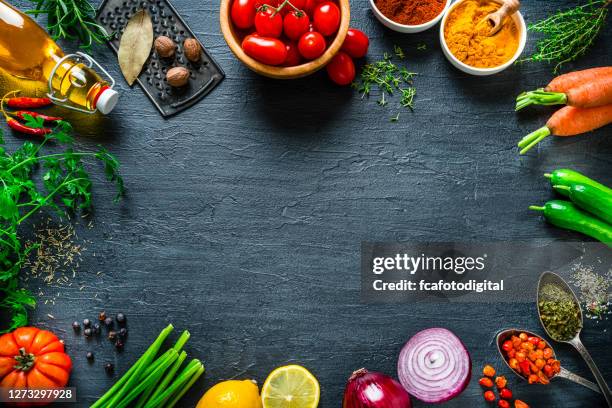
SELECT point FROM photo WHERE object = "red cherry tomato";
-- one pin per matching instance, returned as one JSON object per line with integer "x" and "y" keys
{"x": 341, "y": 69}
{"x": 312, "y": 45}
{"x": 268, "y": 50}
{"x": 293, "y": 56}
{"x": 309, "y": 6}
{"x": 326, "y": 18}
{"x": 356, "y": 43}
{"x": 295, "y": 24}
{"x": 298, "y": 4}
{"x": 243, "y": 13}
{"x": 268, "y": 22}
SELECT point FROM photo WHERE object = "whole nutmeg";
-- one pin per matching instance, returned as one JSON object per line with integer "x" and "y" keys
{"x": 164, "y": 46}
{"x": 192, "y": 49}
{"x": 177, "y": 76}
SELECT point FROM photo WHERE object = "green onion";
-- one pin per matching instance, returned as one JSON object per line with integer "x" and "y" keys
{"x": 133, "y": 374}
{"x": 184, "y": 377}
{"x": 186, "y": 388}
{"x": 153, "y": 381}
{"x": 180, "y": 343}
{"x": 168, "y": 377}
{"x": 150, "y": 379}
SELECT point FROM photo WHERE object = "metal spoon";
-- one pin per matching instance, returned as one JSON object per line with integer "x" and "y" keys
{"x": 507, "y": 334}
{"x": 496, "y": 18}
{"x": 553, "y": 278}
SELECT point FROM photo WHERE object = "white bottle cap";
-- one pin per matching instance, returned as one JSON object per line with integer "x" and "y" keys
{"x": 107, "y": 101}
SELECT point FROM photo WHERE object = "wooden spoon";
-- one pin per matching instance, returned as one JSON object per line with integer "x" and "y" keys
{"x": 508, "y": 8}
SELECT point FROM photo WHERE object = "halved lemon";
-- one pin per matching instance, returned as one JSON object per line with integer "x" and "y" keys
{"x": 290, "y": 386}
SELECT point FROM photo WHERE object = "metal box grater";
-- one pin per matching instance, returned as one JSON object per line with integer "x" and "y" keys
{"x": 205, "y": 75}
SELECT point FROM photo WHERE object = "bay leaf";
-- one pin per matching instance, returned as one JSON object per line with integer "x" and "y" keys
{"x": 135, "y": 45}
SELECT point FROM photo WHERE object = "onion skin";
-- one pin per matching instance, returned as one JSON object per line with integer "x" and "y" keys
{"x": 434, "y": 366}
{"x": 374, "y": 390}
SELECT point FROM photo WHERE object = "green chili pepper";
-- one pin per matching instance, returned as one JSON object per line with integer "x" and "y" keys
{"x": 567, "y": 177}
{"x": 591, "y": 199}
{"x": 564, "y": 214}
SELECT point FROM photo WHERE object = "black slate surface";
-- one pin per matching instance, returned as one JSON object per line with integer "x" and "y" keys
{"x": 245, "y": 214}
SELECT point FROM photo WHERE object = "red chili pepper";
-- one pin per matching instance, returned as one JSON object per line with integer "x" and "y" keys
{"x": 525, "y": 367}
{"x": 27, "y": 102}
{"x": 20, "y": 127}
{"x": 505, "y": 393}
{"x": 21, "y": 115}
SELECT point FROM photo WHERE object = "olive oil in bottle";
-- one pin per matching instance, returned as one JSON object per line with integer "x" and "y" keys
{"x": 27, "y": 51}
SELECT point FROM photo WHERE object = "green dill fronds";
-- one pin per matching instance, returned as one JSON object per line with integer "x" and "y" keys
{"x": 385, "y": 77}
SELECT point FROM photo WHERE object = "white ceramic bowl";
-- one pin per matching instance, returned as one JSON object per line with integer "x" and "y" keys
{"x": 405, "y": 28}
{"x": 518, "y": 20}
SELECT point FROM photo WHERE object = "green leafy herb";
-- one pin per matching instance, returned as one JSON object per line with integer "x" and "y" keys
{"x": 559, "y": 312}
{"x": 569, "y": 34}
{"x": 386, "y": 78}
{"x": 422, "y": 47}
{"x": 399, "y": 52}
{"x": 71, "y": 20}
{"x": 65, "y": 185}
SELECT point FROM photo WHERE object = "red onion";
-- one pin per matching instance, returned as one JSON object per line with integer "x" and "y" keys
{"x": 434, "y": 366}
{"x": 374, "y": 390}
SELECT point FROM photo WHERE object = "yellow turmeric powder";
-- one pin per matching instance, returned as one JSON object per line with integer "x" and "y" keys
{"x": 466, "y": 34}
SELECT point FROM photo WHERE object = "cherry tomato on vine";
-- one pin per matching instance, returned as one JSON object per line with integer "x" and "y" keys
{"x": 356, "y": 43}
{"x": 295, "y": 24}
{"x": 326, "y": 18}
{"x": 243, "y": 13}
{"x": 298, "y": 4}
{"x": 268, "y": 22}
{"x": 341, "y": 69}
{"x": 293, "y": 55}
{"x": 312, "y": 45}
{"x": 268, "y": 50}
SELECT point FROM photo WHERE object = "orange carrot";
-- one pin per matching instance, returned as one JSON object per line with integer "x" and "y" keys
{"x": 565, "y": 82}
{"x": 569, "y": 121}
{"x": 584, "y": 89}
{"x": 596, "y": 93}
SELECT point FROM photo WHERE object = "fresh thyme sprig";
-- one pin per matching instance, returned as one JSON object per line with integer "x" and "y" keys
{"x": 65, "y": 186}
{"x": 387, "y": 78}
{"x": 568, "y": 34}
{"x": 72, "y": 20}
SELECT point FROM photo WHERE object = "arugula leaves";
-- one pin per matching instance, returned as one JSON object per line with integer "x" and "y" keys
{"x": 65, "y": 186}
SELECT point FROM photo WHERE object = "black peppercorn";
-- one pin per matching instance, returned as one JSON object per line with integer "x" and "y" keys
{"x": 119, "y": 344}
{"x": 120, "y": 318}
{"x": 87, "y": 332}
{"x": 96, "y": 329}
{"x": 123, "y": 333}
{"x": 108, "y": 322}
{"x": 109, "y": 368}
{"x": 86, "y": 322}
{"x": 90, "y": 356}
{"x": 112, "y": 335}
{"x": 76, "y": 326}
{"x": 102, "y": 316}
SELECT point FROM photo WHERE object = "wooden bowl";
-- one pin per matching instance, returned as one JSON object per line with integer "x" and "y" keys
{"x": 234, "y": 39}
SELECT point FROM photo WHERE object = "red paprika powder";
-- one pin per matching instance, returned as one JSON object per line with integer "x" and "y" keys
{"x": 410, "y": 12}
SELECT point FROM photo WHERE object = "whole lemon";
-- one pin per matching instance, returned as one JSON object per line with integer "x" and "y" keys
{"x": 232, "y": 394}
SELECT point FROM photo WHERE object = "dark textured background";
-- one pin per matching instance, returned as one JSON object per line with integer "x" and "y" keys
{"x": 245, "y": 214}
